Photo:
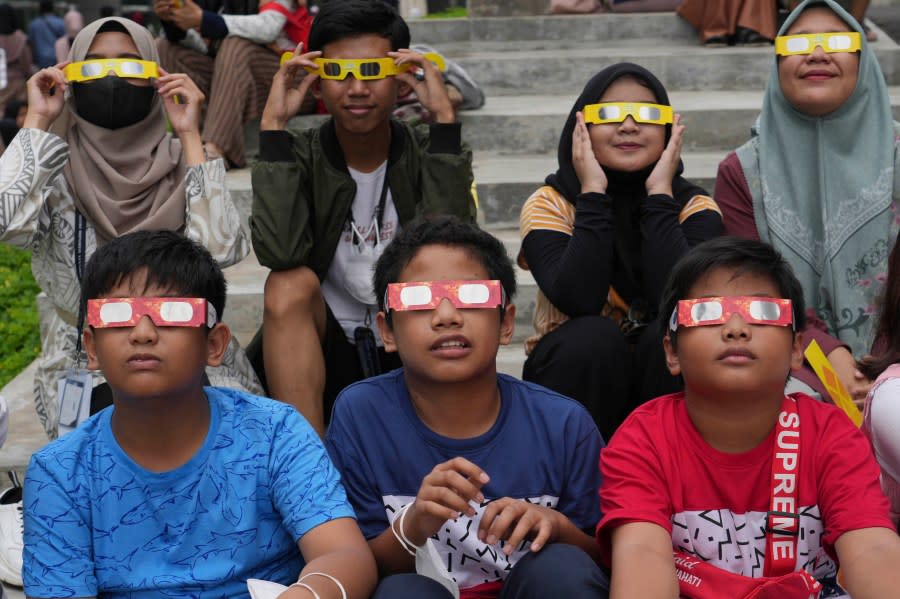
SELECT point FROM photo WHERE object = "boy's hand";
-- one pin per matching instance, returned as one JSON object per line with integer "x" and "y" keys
{"x": 589, "y": 172}
{"x": 46, "y": 97}
{"x": 660, "y": 180}
{"x": 431, "y": 91}
{"x": 445, "y": 494}
{"x": 289, "y": 87}
{"x": 185, "y": 114}
{"x": 513, "y": 520}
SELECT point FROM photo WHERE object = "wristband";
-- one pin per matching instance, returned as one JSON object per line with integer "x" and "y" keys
{"x": 307, "y": 587}
{"x": 329, "y": 577}
{"x": 401, "y": 536}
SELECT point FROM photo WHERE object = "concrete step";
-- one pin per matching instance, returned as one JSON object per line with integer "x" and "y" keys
{"x": 680, "y": 65}
{"x": 506, "y": 181}
{"x": 26, "y": 435}
{"x": 531, "y": 124}
{"x": 562, "y": 29}
{"x": 715, "y": 120}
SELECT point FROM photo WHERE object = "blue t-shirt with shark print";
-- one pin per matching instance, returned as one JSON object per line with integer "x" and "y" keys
{"x": 98, "y": 524}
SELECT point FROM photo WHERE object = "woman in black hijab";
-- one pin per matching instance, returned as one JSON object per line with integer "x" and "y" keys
{"x": 600, "y": 239}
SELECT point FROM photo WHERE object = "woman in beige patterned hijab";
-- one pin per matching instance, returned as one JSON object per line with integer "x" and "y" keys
{"x": 94, "y": 161}
{"x": 125, "y": 171}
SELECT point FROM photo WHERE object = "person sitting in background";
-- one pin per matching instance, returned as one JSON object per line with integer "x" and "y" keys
{"x": 601, "y": 237}
{"x": 43, "y": 33}
{"x": 328, "y": 200}
{"x": 231, "y": 48}
{"x": 881, "y": 414}
{"x": 14, "y": 44}
{"x": 74, "y": 23}
{"x": 730, "y": 22}
{"x": 817, "y": 180}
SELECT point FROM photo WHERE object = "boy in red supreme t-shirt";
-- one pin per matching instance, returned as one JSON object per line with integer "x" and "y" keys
{"x": 749, "y": 487}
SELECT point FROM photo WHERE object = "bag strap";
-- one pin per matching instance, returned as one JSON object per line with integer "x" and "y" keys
{"x": 782, "y": 519}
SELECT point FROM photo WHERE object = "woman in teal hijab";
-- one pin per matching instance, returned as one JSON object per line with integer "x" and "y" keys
{"x": 818, "y": 180}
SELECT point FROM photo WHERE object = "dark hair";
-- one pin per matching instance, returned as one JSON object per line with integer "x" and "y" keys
{"x": 744, "y": 256}
{"x": 449, "y": 231}
{"x": 113, "y": 26}
{"x": 172, "y": 261}
{"x": 8, "y": 20}
{"x": 339, "y": 19}
{"x": 886, "y": 349}
{"x": 45, "y": 6}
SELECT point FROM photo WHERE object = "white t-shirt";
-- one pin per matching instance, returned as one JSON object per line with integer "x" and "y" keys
{"x": 349, "y": 311}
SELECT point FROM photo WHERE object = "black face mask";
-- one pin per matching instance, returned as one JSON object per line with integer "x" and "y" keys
{"x": 111, "y": 102}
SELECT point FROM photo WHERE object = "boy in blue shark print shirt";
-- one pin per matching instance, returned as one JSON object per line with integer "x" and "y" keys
{"x": 178, "y": 489}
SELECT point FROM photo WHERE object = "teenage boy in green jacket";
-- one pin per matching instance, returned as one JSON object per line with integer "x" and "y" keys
{"x": 327, "y": 201}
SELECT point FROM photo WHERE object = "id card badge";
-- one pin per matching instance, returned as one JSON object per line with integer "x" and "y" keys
{"x": 74, "y": 392}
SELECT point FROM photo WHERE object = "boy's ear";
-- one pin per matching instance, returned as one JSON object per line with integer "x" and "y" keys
{"x": 403, "y": 89}
{"x": 387, "y": 333}
{"x": 315, "y": 89}
{"x": 90, "y": 349}
{"x": 672, "y": 362}
{"x": 217, "y": 341}
{"x": 508, "y": 324}
{"x": 797, "y": 351}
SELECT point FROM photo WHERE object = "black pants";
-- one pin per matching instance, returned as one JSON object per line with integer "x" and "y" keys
{"x": 589, "y": 359}
{"x": 342, "y": 365}
{"x": 557, "y": 570}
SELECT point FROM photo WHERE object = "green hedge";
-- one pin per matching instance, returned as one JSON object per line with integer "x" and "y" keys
{"x": 450, "y": 13}
{"x": 19, "y": 330}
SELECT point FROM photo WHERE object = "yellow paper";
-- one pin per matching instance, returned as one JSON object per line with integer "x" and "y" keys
{"x": 833, "y": 385}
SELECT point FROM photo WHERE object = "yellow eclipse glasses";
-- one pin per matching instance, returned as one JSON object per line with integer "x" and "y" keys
{"x": 363, "y": 68}
{"x": 88, "y": 70}
{"x": 841, "y": 41}
{"x": 616, "y": 112}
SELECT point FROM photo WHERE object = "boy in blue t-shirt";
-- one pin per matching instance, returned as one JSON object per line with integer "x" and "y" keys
{"x": 497, "y": 475}
{"x": 177, "y": 489}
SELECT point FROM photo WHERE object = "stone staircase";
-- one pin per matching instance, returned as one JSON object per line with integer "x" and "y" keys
{"x": 531, "y": 69}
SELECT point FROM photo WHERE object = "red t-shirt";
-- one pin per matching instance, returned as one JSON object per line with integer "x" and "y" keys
{"x": 657, "y": 468}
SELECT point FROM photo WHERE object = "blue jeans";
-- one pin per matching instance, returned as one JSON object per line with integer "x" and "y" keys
{"x": 556, "y": 571}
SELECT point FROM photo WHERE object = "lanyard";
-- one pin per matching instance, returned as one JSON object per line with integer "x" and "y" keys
{"x": 379, "y": 213}
{"x": 80, "y": 251}
{"x": 782, "y": 519}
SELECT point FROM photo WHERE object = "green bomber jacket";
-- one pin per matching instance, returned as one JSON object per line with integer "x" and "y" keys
{"x": 303, "y": 192}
